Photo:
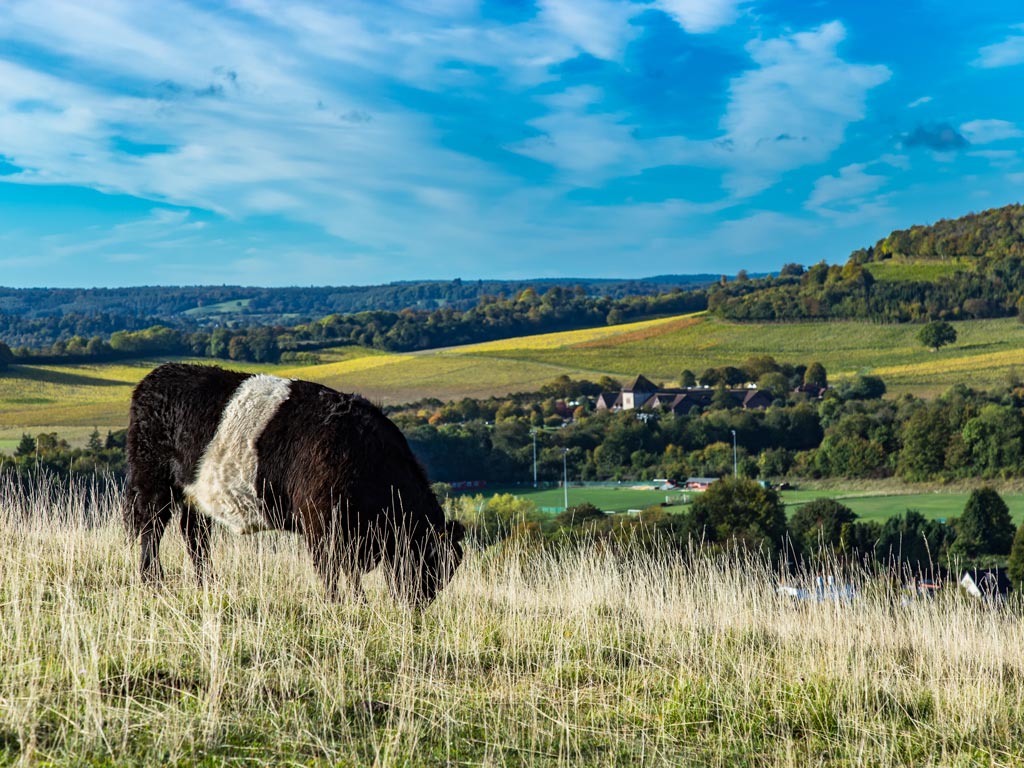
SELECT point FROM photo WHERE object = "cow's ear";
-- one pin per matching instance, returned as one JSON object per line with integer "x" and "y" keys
{"x": 456, "y": 530}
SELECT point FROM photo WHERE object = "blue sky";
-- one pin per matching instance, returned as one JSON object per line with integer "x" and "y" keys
{"x": 293, "y": 143}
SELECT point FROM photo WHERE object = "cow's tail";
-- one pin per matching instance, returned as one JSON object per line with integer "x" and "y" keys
{"x": 130, "y": 510}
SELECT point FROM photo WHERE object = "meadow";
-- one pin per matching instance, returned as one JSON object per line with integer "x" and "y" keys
{"x": 987, "y": 354}
{"x": 897, "y": 270}
{"x": 579, "y": 657}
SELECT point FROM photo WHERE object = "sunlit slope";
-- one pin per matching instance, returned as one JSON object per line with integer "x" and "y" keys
{"x": 986, "y": 352}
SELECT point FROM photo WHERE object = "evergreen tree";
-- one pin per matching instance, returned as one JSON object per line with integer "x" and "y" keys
{"x": 27, "y": 446}
{"x": 95, "y": 444}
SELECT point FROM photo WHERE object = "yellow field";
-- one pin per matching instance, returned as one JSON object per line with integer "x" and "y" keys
{"x": 78, "y": 397}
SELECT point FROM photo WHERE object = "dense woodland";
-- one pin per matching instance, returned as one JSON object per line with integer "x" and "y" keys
{"x": 984, "y": 253}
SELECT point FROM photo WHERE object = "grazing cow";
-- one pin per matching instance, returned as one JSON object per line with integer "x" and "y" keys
{"x": 258, "y": 452}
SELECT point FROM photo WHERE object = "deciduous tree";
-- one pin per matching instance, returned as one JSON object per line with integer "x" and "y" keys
{"x": 937, "y": 334}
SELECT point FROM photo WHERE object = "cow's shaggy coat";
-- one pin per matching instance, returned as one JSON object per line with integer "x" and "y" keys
{"x": 258, "y": 452}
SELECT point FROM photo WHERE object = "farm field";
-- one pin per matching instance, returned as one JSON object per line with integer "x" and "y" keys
{"x": 987, "y": 352}
{"x": 525, "y": 659}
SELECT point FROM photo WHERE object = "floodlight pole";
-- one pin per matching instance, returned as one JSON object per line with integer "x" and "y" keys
{"x": 565, "y": 477}
{"x": 735, "y": 473}
{"x": 534, "y": 433}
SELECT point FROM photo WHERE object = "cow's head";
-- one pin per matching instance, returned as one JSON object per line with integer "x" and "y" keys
{"x": 428, "y": 563}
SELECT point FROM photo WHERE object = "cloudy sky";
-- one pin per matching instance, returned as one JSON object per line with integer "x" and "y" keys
{"x": 267, "y": 142}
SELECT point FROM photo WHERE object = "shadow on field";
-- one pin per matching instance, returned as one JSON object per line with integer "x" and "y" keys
{"x": 153, "y": 685}
{"x": 28, "y": 373}
{"x": 368, "y": 712}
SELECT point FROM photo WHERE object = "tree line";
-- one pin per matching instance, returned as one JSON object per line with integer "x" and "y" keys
{"x": 494, "y": 317}
{"x": 852, "y": 432}
{"x": 36, "y": 318}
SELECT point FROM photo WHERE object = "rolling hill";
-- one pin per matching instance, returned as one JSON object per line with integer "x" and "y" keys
{"x": 988, "y": 351}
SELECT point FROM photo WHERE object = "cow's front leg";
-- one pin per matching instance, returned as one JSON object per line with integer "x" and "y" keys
{"x": 195, "y": 528}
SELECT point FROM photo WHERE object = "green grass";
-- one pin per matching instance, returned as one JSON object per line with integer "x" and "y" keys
{"x": 917, "y": 270}
{"x": 610, "y": 499}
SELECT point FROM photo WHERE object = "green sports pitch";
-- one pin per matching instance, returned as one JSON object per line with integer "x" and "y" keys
{"x": 624, "y": 497}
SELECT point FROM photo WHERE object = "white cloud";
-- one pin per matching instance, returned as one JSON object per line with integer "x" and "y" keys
{"x": 848, "y": 188}
{"x": 988, "y": 131}
{"x": 919, "y": 102}
{"x": 701, "y": 16}
{"x": 273, "y": 108}
{"x": 598, "y": 27}
{"x": 1006, "y": 53}
{"x": 586, "y": 144}
{"x": 794, "y": 108}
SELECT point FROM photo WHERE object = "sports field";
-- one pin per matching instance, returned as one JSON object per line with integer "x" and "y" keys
{"x": 868, "y": 505}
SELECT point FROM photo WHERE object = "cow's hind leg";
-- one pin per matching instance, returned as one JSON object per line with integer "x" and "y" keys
{"x": 195, "y": 529}
{"x": 332, "y": 559}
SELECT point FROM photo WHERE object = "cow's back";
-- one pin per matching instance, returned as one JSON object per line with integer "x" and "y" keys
{"x": 175, "y": 412}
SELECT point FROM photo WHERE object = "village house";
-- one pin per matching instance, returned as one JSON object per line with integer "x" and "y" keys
{"x": 643, "y": 393}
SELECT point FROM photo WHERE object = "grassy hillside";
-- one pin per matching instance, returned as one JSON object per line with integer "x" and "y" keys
{"x": 526, "y": 659}
{"x": 986, "y": 353}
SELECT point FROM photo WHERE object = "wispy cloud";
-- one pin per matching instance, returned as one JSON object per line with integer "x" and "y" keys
{"x": 1007, "y": 53}
{"x": 795, "y": 107}
{"x": 394, "y": 137}
{"x": 848, "y": 188}
{"x": 988, "y": 131}
{"x": 702, "y": 16}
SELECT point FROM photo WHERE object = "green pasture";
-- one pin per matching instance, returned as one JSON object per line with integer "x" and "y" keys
{"x": 221, "y": 308}
{"x": 915, "y": 270}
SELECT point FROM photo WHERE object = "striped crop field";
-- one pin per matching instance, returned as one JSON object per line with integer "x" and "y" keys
{"x": 986, "y": 353}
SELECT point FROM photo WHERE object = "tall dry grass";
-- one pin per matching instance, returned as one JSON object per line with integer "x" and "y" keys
{"x": 573, "y": 658}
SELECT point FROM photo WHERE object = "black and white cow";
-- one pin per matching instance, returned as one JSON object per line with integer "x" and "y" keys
{"x": 258, "y": 452}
